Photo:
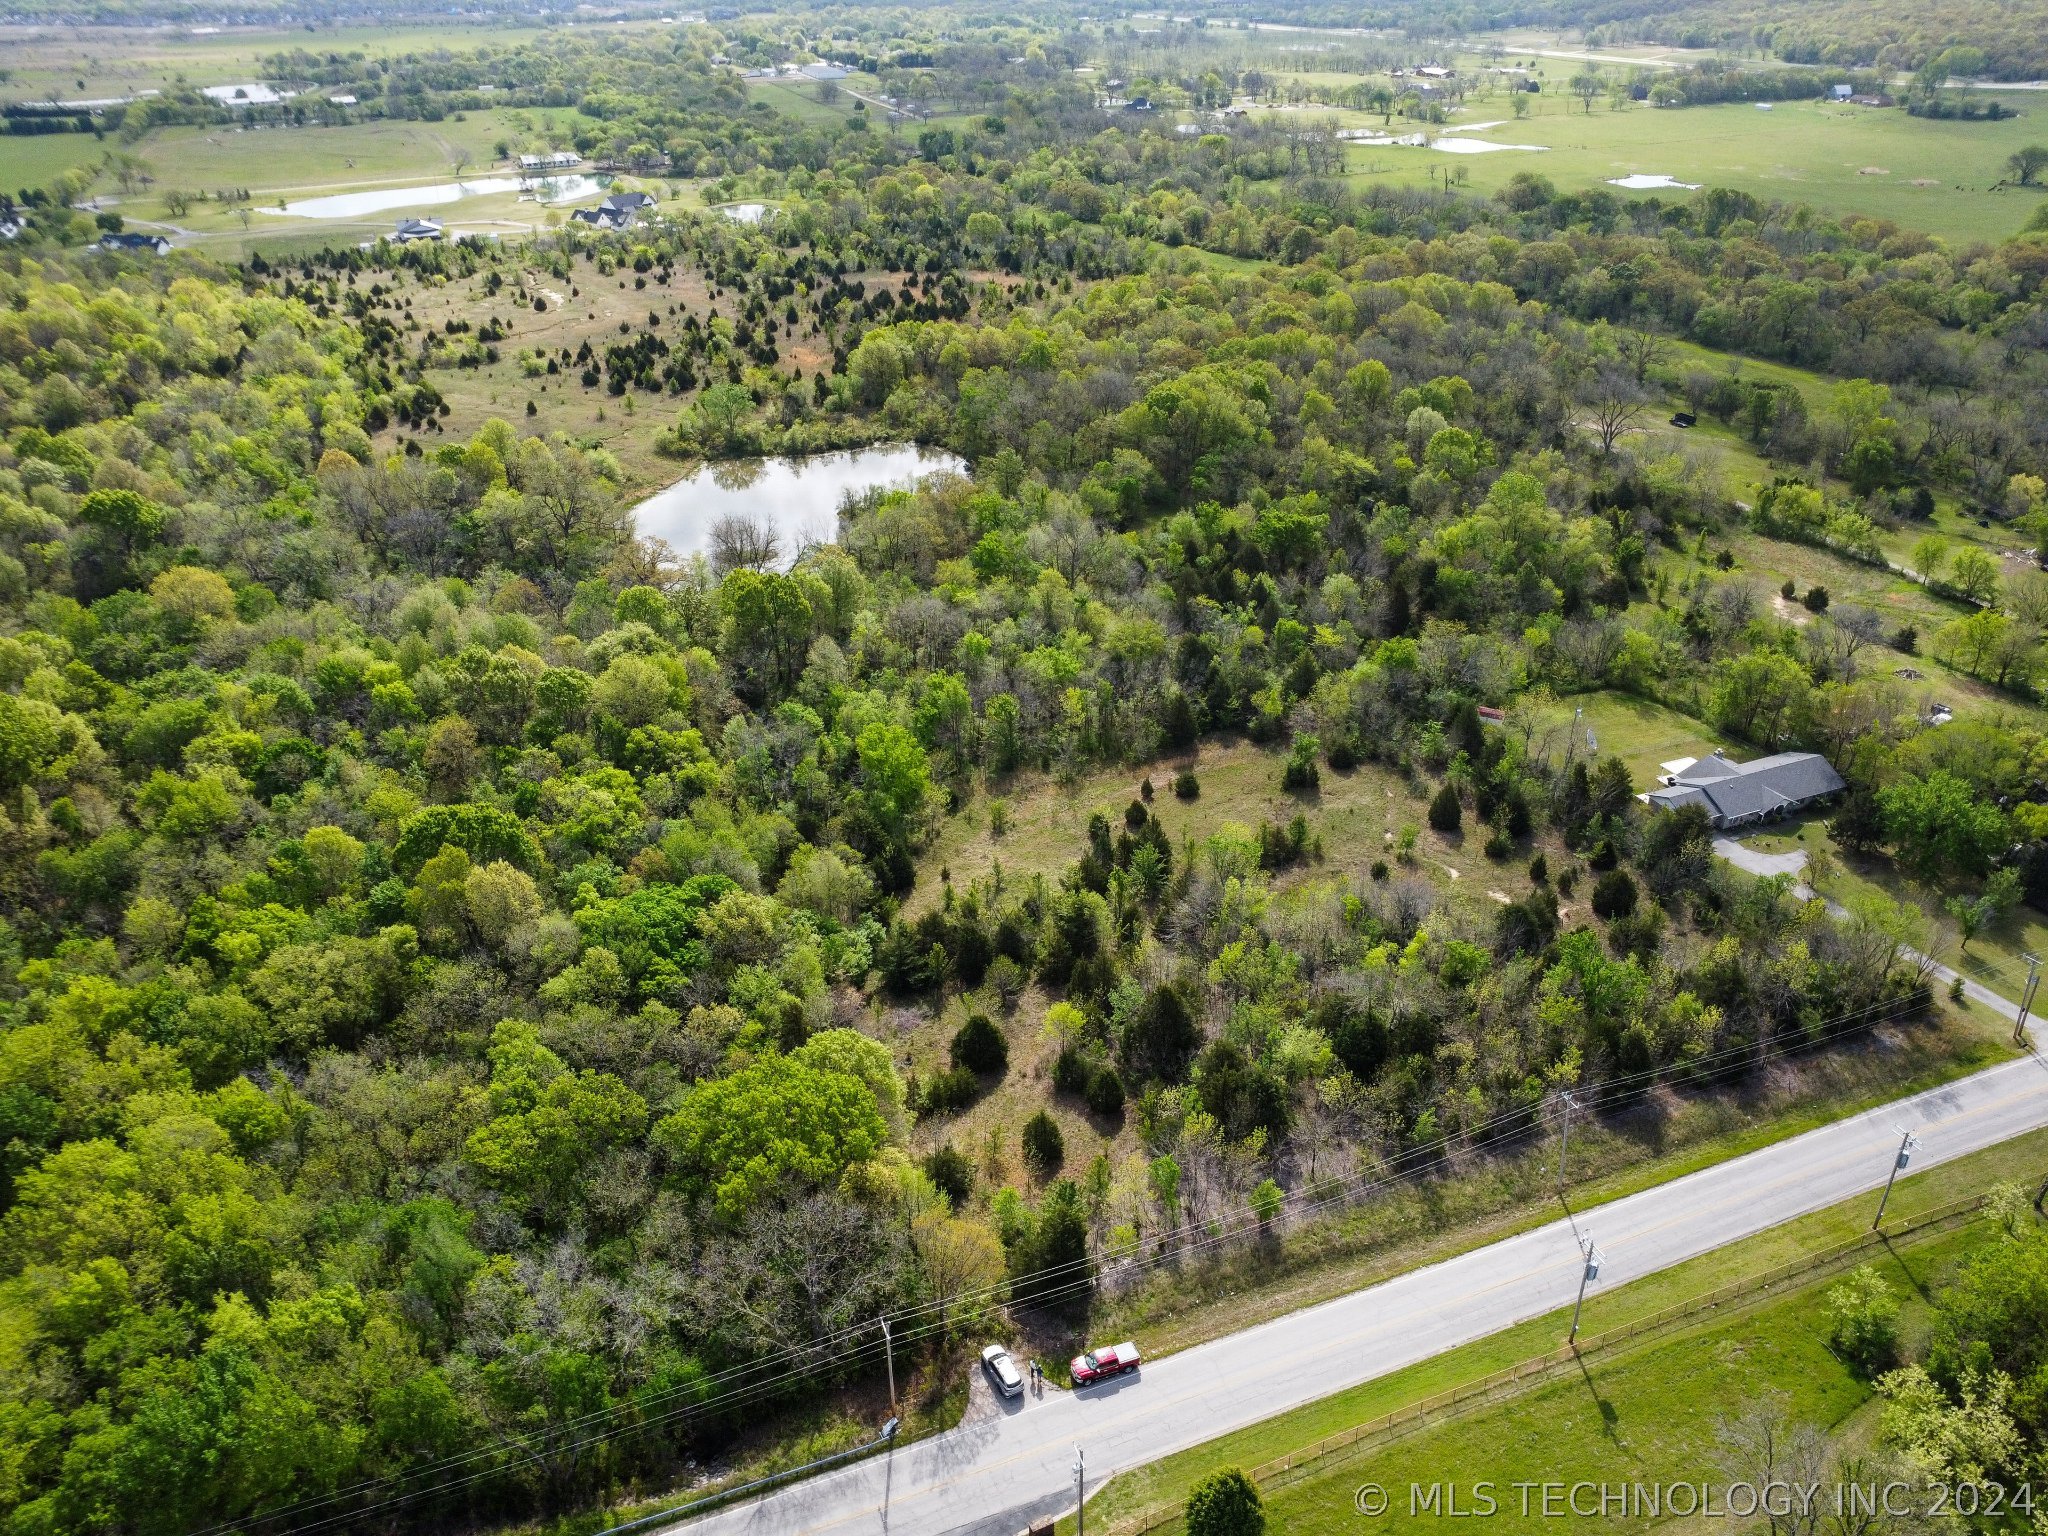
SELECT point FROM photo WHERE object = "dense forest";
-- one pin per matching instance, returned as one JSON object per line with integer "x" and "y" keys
{"x": 446, "y": 935}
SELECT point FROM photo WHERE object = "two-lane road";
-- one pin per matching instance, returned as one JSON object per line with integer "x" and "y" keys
{"x": 994, "y": 1475}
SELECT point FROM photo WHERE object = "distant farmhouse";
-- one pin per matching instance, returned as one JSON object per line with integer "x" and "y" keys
{"x": 559, "y": 160}
{"x": 616, "y": 212}
{"x": 133, "y": 244}
{"x": 1743, "y": 794}
{"x": 410, "y": 230}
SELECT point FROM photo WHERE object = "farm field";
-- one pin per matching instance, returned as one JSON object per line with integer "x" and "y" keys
{"x": 90, "y": 62}
{"x": 1846, "y": 161}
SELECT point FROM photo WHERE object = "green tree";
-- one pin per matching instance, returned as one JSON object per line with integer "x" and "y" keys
{"x": 2026, "y": 164}
{"x": 1225, "y": 1503}
{"x": 1937, "y": 824}
{"x": 1044, "y": 1147}
{"x": 773, "y": 1125}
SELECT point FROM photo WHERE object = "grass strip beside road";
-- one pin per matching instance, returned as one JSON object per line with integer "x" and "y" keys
{"x": 1163, "y": 1485}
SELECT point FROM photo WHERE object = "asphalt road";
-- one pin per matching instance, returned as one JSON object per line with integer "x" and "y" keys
{"x": 995, "y": 1473}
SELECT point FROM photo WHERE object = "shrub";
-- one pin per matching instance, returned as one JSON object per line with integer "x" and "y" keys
{"x": 1614, "y": 895}
{"x": 952, "y": 1173}
{"x": 1301, "y": 771}
{"x": 1816, "y": 599}
{"x": 1344, "y": 756}
{"x": 1106, "y": 1093}
{"x": 1186, "y": 786}
{"x": 1225, "y": 1503}
{"x": 1445, "y": 813}
{"x": 1863, "y": 1322}
{"x": 950, "y": 1091}
{"x": 1267, "y": 1200}
{"x": 1072, "y": 1072}
{"x": 1044, "y": 1148}
{"x": 1008, "y": 978}
{"x": 1500, "y": 847}
{"x": 1379, "y": 869}
{"x": 978, "y": 1046}
{"x": 1539, "y": 870}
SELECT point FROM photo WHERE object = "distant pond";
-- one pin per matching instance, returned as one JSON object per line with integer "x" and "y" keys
{"x": 356, "y": 205}
{"x": 795, "y": 498}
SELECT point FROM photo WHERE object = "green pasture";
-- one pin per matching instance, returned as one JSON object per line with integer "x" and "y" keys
{"x": 1844, "y": 160}
{"x": 46, "y": 60}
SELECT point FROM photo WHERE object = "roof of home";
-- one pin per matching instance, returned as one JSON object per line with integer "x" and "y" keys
{"x": 1735, "y": 791}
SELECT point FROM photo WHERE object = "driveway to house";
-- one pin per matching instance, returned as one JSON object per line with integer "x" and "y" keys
{"x": 1760, "y": 863}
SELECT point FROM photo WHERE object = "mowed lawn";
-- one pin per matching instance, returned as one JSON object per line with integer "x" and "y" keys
{"x": 1873, "y": 162}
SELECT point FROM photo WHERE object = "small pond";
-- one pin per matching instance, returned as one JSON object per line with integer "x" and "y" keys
{"x": 745, "y": 213}
{"x": 797, "y": 497}
{"x": 356, "y": 205}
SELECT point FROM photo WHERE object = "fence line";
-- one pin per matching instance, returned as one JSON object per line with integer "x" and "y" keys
{"x": 1281, "y": 1469}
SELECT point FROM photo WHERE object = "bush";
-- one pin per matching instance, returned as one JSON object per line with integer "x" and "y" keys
{"x": 1301, "y": 771}
{"x": 1044, "y": 1148}
{"x": 1225, "y": 1503}
{"x": 1789, "y": 590}
{"x": 1500, "y": 847}
{"x": 1379, "y": 869}
{"x": 978, "y": 1046}
{"x": 1008, "y": 978}
{"x": 1614, "y": 894}
{"x": 1186, "y": 786}
{"x": 1106, "y": 1093}
{"x": 1863, "y": 1322}
{"x": 1816, "y": 599}
{"x": 950, "y": 1091}
{"x": 1445, "y": 813}
{"x": 1344, "y": 756}
{"x": 952, "y": 1174}
{"x": 1072, "y": 1072}
{"x": 1539, "y": 870}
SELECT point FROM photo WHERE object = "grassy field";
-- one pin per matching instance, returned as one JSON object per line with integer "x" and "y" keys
{"x": 91, "y": 62}
{"x": 1879, "y": 163}
{"x": 1658, "y": 1397}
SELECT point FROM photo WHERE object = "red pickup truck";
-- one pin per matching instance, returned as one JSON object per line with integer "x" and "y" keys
{"x": 1101, "y": 1364}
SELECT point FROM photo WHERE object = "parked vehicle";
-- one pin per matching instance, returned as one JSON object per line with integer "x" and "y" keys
{"x": 1002, "y": 1370}
{"x": 1101, "y": 1364}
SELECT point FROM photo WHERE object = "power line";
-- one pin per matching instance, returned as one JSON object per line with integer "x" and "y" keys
{"x": 1043, "y": 1287}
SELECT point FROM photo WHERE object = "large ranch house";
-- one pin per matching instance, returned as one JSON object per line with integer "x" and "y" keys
{"x": 1744, "y": 794}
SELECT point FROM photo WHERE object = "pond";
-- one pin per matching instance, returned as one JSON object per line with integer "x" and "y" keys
{"x": 356, "y": 205}
{"x": 745, "y": 213}
{"x": 794, "y": 499}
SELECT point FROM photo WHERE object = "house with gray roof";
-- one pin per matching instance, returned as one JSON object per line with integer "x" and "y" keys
{"x": 1744, "y": 794}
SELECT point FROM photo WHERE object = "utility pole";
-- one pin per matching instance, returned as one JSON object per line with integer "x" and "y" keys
{"x": 1080, "y": 1494}
{"x": 1907, "y": 1143}
{"x": 889, "y": 1348}
{"x": 1590, "y": 1272}
{"x": 1564, "y": 1138}
{"x": 2019, "y": 1025}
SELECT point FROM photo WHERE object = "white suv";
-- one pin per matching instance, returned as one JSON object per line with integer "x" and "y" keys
{"x": 1002, "y": 1370}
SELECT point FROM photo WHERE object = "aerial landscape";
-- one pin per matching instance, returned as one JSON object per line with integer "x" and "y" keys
{"x": 930, "y": 768}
